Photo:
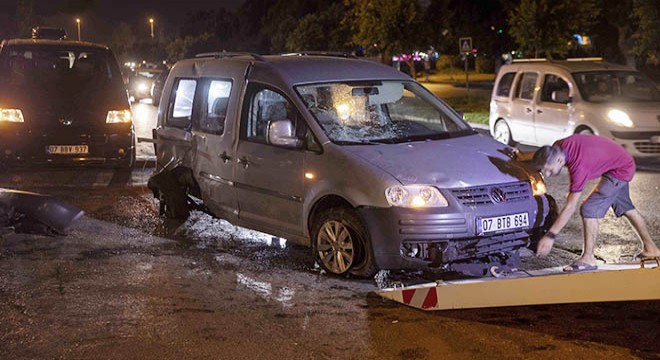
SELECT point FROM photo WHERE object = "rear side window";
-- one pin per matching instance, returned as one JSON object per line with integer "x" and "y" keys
{"x": 181, "y": 103}
{"x": 504, "y": 86}
{"x": 214, "y": 106}
{"x": 527, "y": 85}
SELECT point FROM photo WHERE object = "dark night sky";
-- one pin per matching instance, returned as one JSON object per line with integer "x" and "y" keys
{"x": 132, "y": 11}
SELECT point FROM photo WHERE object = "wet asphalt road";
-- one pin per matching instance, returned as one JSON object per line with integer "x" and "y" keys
{"x": 128, "y": 284}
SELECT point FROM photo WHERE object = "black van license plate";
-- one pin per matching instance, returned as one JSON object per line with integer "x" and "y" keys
{"x": 67, "y": 149}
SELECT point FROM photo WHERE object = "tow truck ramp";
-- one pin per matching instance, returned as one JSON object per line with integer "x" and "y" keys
{"x": 610, "y": 282}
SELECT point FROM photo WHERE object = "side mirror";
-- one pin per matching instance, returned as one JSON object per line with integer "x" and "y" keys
{"x": 281, "y": 133}
{"x": 561, "y": 96}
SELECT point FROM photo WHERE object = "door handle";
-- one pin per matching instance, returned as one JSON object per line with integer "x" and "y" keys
{"x": 528, "y": 110}
{"x": 225, "y": 158}
{"x": 243, "y": 161}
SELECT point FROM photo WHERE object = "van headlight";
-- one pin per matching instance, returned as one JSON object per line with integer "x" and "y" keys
{"x": 619, "y": 117}
{"x": 538, "y": 185}
{"x": 11, "y": 115}
{"x": 119, "y": 116}
{"x": 415, "y": 196}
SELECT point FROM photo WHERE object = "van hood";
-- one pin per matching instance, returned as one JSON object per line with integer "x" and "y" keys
{"x": 452, "y": 163}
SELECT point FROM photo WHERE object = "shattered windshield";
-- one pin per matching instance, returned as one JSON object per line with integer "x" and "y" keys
{"x": 616, "y": 86}
{"x": 380, "y": 112}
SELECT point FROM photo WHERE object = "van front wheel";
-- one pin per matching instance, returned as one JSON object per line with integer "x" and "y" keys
{"x": 341, "y": 243}
{"x": 502, "y": 132}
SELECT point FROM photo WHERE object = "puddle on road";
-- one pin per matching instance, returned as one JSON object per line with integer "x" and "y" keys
{"x": 282, "y": 295}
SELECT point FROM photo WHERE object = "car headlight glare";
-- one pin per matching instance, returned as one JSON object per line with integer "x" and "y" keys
{"x": 11, "y": 115}
{"x": 119, "y": 116}
{"x": 415, "y": 196}
{"x": 538, "y": 185}
{"x": 620, "y": 118}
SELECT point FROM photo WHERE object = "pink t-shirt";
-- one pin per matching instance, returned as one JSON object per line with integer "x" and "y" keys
{"x": 591, "y": 156}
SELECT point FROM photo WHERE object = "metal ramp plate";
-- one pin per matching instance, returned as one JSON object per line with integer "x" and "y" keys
{"x": 611, "y": 282}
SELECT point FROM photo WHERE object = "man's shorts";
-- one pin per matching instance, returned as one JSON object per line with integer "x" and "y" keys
{"x": 610, "y": 192}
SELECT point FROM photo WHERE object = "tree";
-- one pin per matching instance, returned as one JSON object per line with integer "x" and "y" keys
{"x": 647, "y": 36}
{"x": 544, "y": 27}
{"x": 123, "y": 40}
{"x": 187, "y": 46}
{"x": 25, "y": 17}
{"x": 321, "y": 30}
{"x": 385, "y": 27}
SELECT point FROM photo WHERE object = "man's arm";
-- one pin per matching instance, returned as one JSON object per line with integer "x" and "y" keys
{"x": 524, "y": 155}
{"x": 565, "y": 214}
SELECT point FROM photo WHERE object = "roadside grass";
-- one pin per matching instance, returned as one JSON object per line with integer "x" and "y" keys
{"x": 474, "y": 108}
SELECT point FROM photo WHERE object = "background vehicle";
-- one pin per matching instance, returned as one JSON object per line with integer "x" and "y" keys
{"x": 63, "y": 102}
{"x": 141, "y": 80}
{"x": 364, "y": 165}
{"x": 158, "y": 85}
{"x": 539, "y": 102}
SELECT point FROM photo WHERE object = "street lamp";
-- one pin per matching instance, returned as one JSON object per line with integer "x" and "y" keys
{"x": 78, "y": 23}
{"x": 151, "y": 23}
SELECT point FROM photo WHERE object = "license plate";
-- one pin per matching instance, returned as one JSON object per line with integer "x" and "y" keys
{"x": 501, "y": 223}
{"x": 67, "y": 149}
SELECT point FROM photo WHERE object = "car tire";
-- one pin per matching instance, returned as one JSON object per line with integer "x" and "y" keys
{"x": 502, "y": 132}
{"x": 584, "y": 131}
{"x": 340, "y": 231}
{"x": 171, "y": 195}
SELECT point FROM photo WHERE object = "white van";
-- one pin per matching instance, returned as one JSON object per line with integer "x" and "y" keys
{"x": 536, "y": 102}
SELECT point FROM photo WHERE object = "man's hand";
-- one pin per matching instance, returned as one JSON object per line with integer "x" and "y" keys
{"x": 544, "y": 246}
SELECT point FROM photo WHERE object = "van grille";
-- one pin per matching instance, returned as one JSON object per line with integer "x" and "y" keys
{"x": 491, "y": 194}
{"x": 646, "y": 147}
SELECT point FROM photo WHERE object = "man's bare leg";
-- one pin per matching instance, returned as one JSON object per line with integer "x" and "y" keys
{"x": 649, "y": 248}
{"x": 590, "y": 229}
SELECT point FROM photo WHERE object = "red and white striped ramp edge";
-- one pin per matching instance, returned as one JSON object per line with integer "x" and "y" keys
{"x": 422, "y": 298}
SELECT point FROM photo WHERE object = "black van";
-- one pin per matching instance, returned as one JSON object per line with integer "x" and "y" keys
{"x": 63, "y": 102}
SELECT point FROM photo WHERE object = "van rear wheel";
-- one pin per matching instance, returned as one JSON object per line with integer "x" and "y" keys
{"x": 341, "y": 243}
{"x": 502, "y": 132}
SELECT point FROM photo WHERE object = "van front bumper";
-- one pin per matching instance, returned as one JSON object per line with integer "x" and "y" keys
{"x": 404, "y": 238}
{"x": 641, "y": 144}
{"x": 113, "y": 148}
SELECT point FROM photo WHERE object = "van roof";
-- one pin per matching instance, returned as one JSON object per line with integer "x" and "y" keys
{"x": 49, "y": 42}
{"x": 304, "y": 68}
{"x": 568, "y": 65}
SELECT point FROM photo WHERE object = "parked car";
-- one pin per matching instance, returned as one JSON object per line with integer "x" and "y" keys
{"x": 539, "y": 102}
{"x": 158, "y": 85}
{"x": 349, "y": 157}
{"x": 63, "y": 102}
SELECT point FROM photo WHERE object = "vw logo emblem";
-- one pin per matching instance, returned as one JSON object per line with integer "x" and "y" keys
{"x": 498, "y": 195}
{"x": 65, "y": 121}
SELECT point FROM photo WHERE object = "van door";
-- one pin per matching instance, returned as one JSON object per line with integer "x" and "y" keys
{"x": 269, "y": 179}
{"x": 552, "y": 115}
{"x": 213, "y": 133}
{"x": 174, "y": 139}
{"x": 523, "y": 108}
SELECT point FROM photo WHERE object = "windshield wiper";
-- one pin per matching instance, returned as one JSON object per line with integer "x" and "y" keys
{"x": 358, "y": 142}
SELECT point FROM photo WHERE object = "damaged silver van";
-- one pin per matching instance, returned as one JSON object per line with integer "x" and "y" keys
{"x": 349, "y": 157}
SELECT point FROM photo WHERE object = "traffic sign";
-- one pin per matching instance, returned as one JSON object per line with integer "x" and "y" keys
{"x": 465, "y": 45}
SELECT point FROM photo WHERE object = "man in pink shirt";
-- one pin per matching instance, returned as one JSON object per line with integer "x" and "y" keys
{"x": 589, "y": 157}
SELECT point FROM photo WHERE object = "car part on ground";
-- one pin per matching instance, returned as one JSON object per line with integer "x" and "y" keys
{"x": 36, "y": 213}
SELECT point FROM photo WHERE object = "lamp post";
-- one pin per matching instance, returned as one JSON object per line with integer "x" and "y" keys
{"x": 151, "y": 23}
{"x": 78, "y": 23}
